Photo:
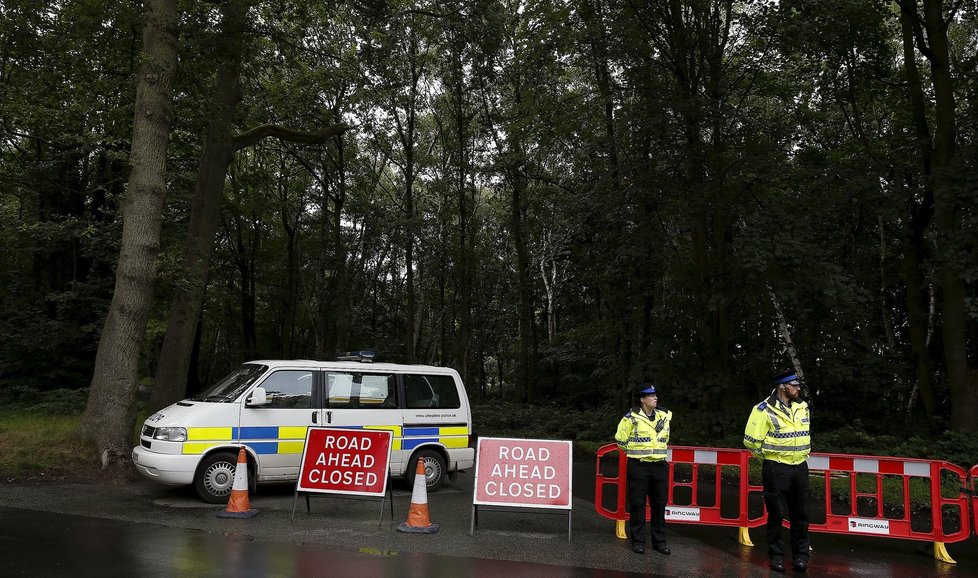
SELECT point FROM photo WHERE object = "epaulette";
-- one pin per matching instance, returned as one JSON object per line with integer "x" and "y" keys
{"x": 660, "y": 408}
{"x": 762, "y": 406}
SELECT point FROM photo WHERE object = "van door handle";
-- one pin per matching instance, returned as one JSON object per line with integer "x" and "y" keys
{"x": 329, "y": 417}
{"x": 313, "y": 417}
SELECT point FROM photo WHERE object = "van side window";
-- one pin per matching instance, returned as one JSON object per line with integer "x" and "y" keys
{"x": 289, "y": 389}
{"x": 353, "y": 390}
{"x": 430, "y": 391}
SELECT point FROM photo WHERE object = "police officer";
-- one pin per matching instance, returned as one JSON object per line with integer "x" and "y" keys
{"x": 642, "y": 435}
{"x": 777, "y": 432}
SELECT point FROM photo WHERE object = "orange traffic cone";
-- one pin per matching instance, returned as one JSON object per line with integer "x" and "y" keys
{"x": 418, "y": 521}
{"x": 238, "y": 505}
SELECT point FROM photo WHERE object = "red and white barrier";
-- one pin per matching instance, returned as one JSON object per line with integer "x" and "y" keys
{"x": 702, "y": 508}
{"x": 876, "y": 522}
{"x": 865, "y": 515}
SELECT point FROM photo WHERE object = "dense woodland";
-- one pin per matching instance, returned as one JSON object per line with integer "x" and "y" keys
{"x": 557, "y": 198}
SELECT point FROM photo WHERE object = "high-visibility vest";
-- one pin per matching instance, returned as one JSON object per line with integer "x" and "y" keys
{"x": 778, "y": 431}
{"x": 642, "y": 437}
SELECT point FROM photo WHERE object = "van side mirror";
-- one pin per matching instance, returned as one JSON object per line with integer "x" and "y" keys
{"x": 257, "y": 397}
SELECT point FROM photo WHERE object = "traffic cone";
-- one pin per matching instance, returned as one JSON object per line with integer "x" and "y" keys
{"x": 418, "y": 521}
{"x": 239, "y": 506}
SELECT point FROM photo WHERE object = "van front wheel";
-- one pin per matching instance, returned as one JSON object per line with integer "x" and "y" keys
{"x": 434, "y": 469}
{"x": 215, "y": 476}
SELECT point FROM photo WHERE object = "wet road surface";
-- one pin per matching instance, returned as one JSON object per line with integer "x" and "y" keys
{"x": 144, "y": 529}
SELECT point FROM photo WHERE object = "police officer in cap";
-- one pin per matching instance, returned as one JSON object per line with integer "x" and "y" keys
{"x": 778, "y": 432}
{"x": 642, "y": 435}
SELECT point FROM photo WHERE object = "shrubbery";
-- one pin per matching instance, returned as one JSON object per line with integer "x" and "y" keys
{"x": 22, "y": 399}
{"x": 590, "y": 429}
{"x": 957, "y": 448}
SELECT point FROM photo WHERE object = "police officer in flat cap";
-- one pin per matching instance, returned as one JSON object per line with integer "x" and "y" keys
{"x": 642, "y": 435}
{"x": 778, "y": 432}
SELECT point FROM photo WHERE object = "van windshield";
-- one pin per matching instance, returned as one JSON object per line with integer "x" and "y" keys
{"x": 228, "y": 388}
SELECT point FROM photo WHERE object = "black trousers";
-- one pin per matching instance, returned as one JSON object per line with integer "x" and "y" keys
{"x": 786, "y": 492}
{"x": 647, "y": 480}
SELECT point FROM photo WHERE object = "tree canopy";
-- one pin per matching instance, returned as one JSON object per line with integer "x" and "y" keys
{"x": 557, "y": 198}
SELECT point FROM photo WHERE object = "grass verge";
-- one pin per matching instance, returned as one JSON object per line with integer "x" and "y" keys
{"x": 41, "y": 446}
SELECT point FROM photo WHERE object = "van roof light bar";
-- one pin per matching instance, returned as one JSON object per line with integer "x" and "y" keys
{"x": 361, "y": 356}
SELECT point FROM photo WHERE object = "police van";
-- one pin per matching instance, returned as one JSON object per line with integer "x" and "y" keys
{"x": 266, "y": 406}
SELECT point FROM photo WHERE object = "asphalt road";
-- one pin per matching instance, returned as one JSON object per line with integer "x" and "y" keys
{"x": 158, "y": 530}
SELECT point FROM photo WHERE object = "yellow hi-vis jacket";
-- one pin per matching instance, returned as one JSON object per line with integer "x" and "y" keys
{"x": 642, "y": 437}
{"x": 779, "y": 432}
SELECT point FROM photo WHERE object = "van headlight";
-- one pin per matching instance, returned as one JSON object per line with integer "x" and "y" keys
{"x": 171, "y": 434}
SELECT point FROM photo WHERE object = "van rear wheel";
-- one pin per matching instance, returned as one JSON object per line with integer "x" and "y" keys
{"x": 434, "y": 469}
{"x": 215, "y": 477}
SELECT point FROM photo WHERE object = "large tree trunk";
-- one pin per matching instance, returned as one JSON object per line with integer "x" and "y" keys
{"x": 929, "y": 32}
{"x": 524, "y": 371}
{"x": 215, "y": 156}
{"x": 963, "y": 379}
{"x": 343, "y": 271}
{"x": 218, "y": 150}
{"x": 408, "y": 137}
{"x": 465, "y": 270}
{"x": 110, "y": 414}
{"x": 916, "y": 220}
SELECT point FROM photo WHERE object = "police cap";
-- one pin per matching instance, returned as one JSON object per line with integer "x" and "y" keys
{"x": 644, "y": 389}
{"x": 786, "y": 377}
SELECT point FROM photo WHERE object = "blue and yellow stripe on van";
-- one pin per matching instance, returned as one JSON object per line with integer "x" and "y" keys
{"x": 448, "y": 436}
{"x": 291, "y": 439}
{"x": 261, "y": 439}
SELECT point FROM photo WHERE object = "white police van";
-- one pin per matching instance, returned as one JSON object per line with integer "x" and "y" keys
{"x": 267, "y": 405}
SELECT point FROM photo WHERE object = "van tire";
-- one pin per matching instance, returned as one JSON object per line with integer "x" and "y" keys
{"x": 215, "y": 477}
{"x": 435, "y": 469}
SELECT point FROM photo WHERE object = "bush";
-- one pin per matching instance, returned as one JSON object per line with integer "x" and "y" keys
{"x": 590, "y": 429}
{"x": 22, "y": 399}
{"x": 956, "y": 448}
{"x": 513, "y": 420}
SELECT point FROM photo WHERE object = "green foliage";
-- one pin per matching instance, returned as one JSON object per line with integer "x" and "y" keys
{"x": 505, "y": 419}
{"x": 673, "y": 174}
{"x": 954, "y": 447}
{"x": 593, "y": 428}
{"x": 34, "y": 401}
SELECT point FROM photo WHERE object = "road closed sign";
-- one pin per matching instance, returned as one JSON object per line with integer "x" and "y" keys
{"x": 522, "y": 472}
{"x": 345, "y": 461}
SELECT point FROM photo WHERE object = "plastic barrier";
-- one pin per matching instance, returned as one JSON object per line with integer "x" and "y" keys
{"x": 702, "y": 507}
{"x": 864, "y": 513}
{"x": 872, "y": 521}
{"x": 620, "y": 511}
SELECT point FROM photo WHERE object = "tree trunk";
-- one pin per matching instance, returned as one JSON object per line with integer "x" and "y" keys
{"x": 786, "y": 336}
{"x": 343, "y": 271}
{"x": 524, "y": 379}
{"x": 466, "y": 270}
{"x": 916, "y": 220}
{"x": 963, "y": 379}
{"x": 218, "y": 150}
{"x": 110, "y": 413}
{"x": 215, "y": 156}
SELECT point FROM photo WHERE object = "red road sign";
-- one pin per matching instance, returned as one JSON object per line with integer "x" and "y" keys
{"x": 522, "y": 472}
{"x": 345, "y": 461}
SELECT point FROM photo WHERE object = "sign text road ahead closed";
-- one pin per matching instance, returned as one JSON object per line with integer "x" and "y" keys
{"x": 345, "y": 461}
{"x": 522, "y": 472}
